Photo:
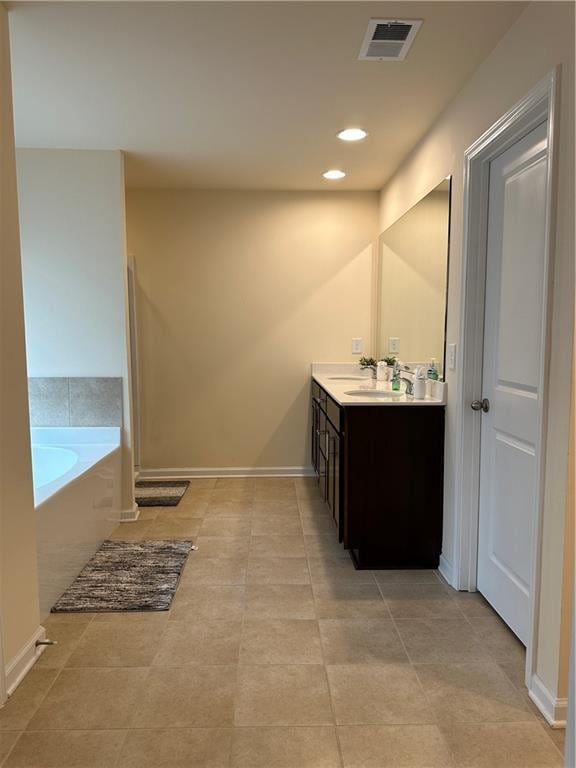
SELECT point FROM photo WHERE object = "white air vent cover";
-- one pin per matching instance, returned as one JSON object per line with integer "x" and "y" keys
{"x": 388, "y": 39}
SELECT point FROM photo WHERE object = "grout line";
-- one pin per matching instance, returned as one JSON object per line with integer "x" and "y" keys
{"x": 230, "y": 727}
{"x": 328, "y": 688}
{"x": 121, "y": 749}
{"x": 427, "y": 699}
{"x": 13, "y": 747}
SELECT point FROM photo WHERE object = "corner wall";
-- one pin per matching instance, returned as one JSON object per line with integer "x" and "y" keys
{"x": 238, "y": 293}
{"x": 75, "y": 271}
{"x": 542, "y": 38}
{"x": 19, "y": 615}
{"x": 72, "y": 234}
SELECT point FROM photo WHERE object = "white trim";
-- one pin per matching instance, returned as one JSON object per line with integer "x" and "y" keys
{"x": 446, "y": 569}
{"x": 550, "y": 103}
{"x": 130, "y": 515}
{"x": 539, "y": 105}
{"x": 570, "y": 751}
{"x": 3, "y": 688}
{"x": 18, "y": 667}
{"x": 187, "y": 473}
{"x": 554, "y": 710}
{"x": 133, "y": 358}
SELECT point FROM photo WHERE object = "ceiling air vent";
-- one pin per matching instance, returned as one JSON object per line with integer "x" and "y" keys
{"x": 388, "y": 40}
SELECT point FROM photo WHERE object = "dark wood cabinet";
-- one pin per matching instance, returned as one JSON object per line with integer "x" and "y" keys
{"x": 333, "y": 473}
{"x": 381, "y": 473}
{"x": 326, "y": 450}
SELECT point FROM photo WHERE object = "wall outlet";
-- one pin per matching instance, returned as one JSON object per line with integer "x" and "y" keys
{"x": 357, "y": 346}
{"x": 451, "y": 357}
{"x": 394, "y": 344}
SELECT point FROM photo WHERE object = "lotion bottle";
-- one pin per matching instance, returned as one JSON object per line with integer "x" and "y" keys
{"x": 420, "y": 383}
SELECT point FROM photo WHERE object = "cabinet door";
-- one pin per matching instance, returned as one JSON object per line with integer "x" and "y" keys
{"x": 333, "y": 473}
{"x": 314, "y": 436}
{"x": 337, "y": 490}
{"x": 322, "y": 475}
{"x": 322, "y": 439}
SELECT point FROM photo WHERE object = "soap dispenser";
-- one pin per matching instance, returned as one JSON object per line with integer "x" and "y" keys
{"x": 419, "y": 388}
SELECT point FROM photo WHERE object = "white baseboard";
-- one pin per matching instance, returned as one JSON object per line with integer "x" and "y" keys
{"x": 554, "y": 710}
{"x": 18, "y": 667}
{"x": 130, "y": 515}
{"x": 445, "y": 568}
{"x": 189, "y": 473}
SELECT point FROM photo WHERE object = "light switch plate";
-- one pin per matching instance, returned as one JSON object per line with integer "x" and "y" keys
{"x": 394, "y": 344}
{"x": 357, "y": 346}
{"x": 451, "y": 357}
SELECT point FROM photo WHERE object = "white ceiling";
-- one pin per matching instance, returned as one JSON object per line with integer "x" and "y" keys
{"x": 240, "y": 94}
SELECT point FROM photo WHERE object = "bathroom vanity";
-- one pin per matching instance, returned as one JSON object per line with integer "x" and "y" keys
{"x": 379, "y": 458}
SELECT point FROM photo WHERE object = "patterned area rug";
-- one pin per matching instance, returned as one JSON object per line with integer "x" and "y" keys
{"x": 127, "y": 576}
{"x": 160, "y": 493}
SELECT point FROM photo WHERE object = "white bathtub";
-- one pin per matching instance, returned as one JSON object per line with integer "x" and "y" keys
{"x": 61, "y": 454}
{"x": 77, "y": 480}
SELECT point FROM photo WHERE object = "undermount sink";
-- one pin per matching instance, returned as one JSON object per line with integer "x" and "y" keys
{"x": 375, "y": 393}
{"x": 347, "y": 378}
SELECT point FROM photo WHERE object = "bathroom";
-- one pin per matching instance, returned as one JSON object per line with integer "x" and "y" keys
{"x": 190, "y": 283}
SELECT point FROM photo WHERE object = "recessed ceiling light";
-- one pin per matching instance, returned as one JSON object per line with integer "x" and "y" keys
{"x": 352, "y": 134}
{"x": 334, "y": 174}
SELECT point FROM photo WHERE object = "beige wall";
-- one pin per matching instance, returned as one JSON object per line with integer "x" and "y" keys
{"x": 412, "y": 287}
{"x": 238, "y": 294}
{"x": 18, "y": 577}
{"x": 73, "y": 261}
{"x": 542, "y": 38}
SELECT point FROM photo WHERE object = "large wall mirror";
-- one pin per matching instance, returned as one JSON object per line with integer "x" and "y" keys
{"x": 413, "y": 282}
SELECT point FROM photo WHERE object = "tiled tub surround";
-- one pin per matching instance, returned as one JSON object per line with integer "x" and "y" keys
{"x": 75, "y": 402}
{"x": 77, "y": 492}
{"x": 277, "y": 652}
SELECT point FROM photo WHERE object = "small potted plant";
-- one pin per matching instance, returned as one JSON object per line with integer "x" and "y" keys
{"x": 369, "y": 363}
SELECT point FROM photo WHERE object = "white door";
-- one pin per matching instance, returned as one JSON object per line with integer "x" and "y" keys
{"x": 512, "y": 377}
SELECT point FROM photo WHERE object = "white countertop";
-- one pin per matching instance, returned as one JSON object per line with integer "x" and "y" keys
{"x": 328, "y": 376}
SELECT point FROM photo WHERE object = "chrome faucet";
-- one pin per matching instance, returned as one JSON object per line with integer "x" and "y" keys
{"x": 409, "y": 385}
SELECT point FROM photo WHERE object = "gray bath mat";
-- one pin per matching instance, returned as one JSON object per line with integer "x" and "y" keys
{"x": 160, "y": 493}
{"x": 127, "y": 576}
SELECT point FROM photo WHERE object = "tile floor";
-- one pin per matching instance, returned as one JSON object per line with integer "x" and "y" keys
{"x": 278, "y": 654}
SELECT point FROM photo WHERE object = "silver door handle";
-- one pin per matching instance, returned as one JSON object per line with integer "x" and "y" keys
{"x": 480, "y": 405}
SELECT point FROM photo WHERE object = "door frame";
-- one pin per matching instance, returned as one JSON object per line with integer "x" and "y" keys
{"x": 538, "y": 105}
{"x": 134, "y": 360}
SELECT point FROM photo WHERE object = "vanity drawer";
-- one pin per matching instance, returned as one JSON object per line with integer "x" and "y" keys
{"x": 322, "y": 432}
{"x": 333, "y": 412}
{"x": 320, "y": 395}
{"x": 322, "y": 477}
